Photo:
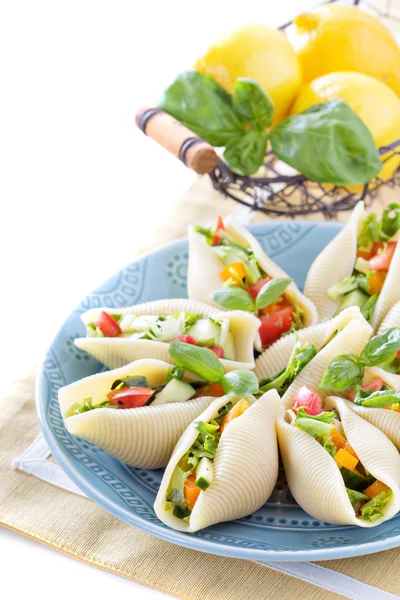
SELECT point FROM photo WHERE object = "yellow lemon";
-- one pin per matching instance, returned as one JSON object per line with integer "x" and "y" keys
{"x": 345, "y": 38}
{"x": 261, "y": 53}
{"x": 373, "y": 101}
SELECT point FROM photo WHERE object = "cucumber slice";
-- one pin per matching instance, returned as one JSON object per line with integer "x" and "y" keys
{"x": 230, "y": 254}
{"x": 354, "y": 298}
{"x": 205, "y": 330}
{"x": 362, "y": 265}
{"x": 353, "y": 479}
{"x": 175, "y": 391}
{"x": 204, "y": 473}
{"x": 170, "y": 328}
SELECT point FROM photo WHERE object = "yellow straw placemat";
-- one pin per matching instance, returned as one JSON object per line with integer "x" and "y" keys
{"x": 76, "y": 526}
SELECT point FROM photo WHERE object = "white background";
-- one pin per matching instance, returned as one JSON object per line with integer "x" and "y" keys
{"x": 80, "y": 187}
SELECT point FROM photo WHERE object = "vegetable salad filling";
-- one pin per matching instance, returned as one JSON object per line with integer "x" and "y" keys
{"x": 182, "y": 327}
{"x": 367, "y": 494}
{"x": 135, "y": 392}
{"x": 377, "y": 243}
{"x": 346, "y": 374}
{"x": 246, "y": 286}
{"x": 194, "y": 472}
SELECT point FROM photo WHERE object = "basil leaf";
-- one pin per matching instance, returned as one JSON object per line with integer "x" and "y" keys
{"x": 328, "y": 143}
{"x": 246, "y": 154}
{"x": 343, "y": 372}
{"x": 369, "y": 307}
{"x": 251, "y": 103}
{"x": 201, "y": 361}
{"x": 234, "y": 298}
{"x": 240, "y": 382}
{"x": 200, "y": 103}
{"x": 377, "y": 399}
{"x": 271, "y": 291}
{"x": 391, "y": 220}
{"x": 131, "y": 382}
{"x": 381, "y": 347}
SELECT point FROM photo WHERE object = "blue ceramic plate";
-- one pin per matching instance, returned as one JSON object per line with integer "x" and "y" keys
{"x": 280, "y": 530}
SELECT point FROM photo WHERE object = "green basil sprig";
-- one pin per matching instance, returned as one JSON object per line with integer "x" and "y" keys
{"x": 343, "y": 372}
{"x": 205, "y": 363}
{"x": 328, "y": 143}
{"x": 237, "y": 298}
{"x": 347, "y": 370}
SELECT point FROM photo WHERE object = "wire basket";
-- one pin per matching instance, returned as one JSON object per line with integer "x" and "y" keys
{"x": 278, "y": 190}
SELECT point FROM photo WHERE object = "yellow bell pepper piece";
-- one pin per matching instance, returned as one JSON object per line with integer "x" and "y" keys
{"x": 235, "y": 271}
{"x": 345, "y": 459}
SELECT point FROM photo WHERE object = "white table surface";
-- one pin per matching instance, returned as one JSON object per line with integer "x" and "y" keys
{"x": 80, "y": 187}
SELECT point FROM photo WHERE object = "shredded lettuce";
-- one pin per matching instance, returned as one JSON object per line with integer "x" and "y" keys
{"x": 300, "y": 357}
{"x": 371, "y": 232}
{"x": 343, "y": 287}
{"x": 318, "y": 426}
{"x": 381, "y": 399}
{"x": 207, "y": 440}
{"x": 207, "y": 232}
{"x": 373, "y": 510}
{"x": 356, "y": 497}
{"x": 87, "y": 404}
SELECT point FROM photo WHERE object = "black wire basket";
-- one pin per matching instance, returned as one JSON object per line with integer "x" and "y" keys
{"x": 277, "y": 190}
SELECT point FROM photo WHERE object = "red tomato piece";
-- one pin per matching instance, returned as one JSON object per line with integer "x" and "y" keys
{"x": 381, "y": 261}
{"x": 220, "y": 226}
{"x": 367, "y": 254}
{"x": 254, "y": 289}
{"x": 375, "y": 385}
{"x": 107, "y": 325}
{"x": 186, "y": 339}
{"x": 398, "y": 354}
{"x": 218, "y": 350}
{"x": 309, "y": 400}
{"x": 130, "y": 397}
{"x": 274, "y": 325}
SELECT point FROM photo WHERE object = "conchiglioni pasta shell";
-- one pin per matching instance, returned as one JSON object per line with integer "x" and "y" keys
{"x": 315, "y": 480}
{"x": 140, "y": 437}
{"x": 116, "y": 352}
{"x": 392, "y": 319}
{"x": 276, "y": 357}
{"x": 387, "y": 421}
{"x": 350, "y": 340}
{"x": 205, "y": 267}
{"x": 333, "y": 264}
{"x": 390, "y": 293}
{"x": 245, "y": 466}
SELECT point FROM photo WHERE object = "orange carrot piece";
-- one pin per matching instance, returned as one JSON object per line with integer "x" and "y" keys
{"x": 235, "y": 412}
{"x": 211, "y": 389}
{"x": 340, "y": 442}
{"x": 345, "y": 459}
{"x": 191, "y": 491}
{"x": 376, "y": 488}
{"x": 376, "y": 281}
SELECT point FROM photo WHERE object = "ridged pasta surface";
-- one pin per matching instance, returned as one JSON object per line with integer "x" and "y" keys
{"x": 392, "y": 319}
{"x": 390, "y": 293}
{"x": 333, "y": 264}
{"x": 276, "y": 357}
{"x": 116, "y": 352}
{"x": 245, "y": 467}
{"x": 140, "y": 437}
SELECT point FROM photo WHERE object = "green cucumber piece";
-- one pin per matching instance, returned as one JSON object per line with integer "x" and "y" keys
{"x": 205, "y": 330}
{"x": 204, "y": 473}
{"x": 354, "y": 480}
{"x": 229, "y": 347}
{"x": 175, "y": 391}
{"x": 354, "y": 298}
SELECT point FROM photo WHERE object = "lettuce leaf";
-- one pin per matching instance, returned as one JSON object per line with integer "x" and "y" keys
{"x": 207, "y": 440}
{"x": 380, "y": 399}
{"x": 371, "y": 232}
{"x": 87, "y": 404}
{"x": 356, "y": 497}
{"x": 299, "y": 359}
{"x": 373, "y": 510}
{"x": 319, "y": 427}
{"x": 342, "y": 287}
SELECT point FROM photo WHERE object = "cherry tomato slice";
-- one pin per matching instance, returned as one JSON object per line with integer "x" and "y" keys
{"x": 218, "y": 350}
{"x": 130, "y": 397}
{"x": 256, "y": 287}
{"x": 274, "y": 325}
{"x": 220, "y": 226}
{"x": 107, "y": 325}
{"x": 381, "y": 261}
{"x": 309, "y": 400}
{"x": 375, "y": 385}
{"x": 186, "y": 339}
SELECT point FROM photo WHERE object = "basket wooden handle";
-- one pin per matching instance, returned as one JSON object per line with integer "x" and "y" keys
{"x": 194, "y": 152}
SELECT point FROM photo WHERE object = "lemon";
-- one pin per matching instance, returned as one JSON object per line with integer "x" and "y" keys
{"x": 373, "y": 101}
{"x": 345, "y": 38}
{"x": 261, "y": 53}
